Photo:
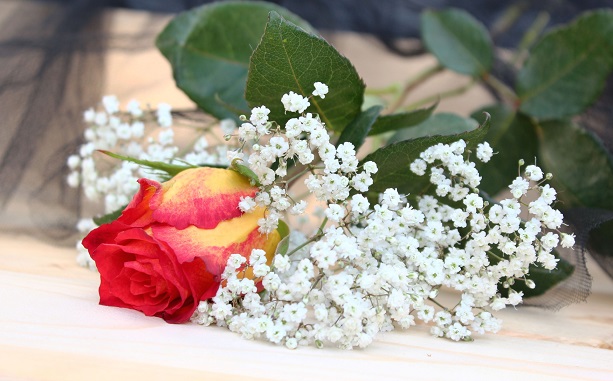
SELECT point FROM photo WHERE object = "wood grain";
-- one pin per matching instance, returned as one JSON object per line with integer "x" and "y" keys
{"x": 52, "y": 328}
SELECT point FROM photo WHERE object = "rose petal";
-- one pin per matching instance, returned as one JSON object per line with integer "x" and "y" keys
{"x": 140, "y": 284}
{"x": 139, "y": 212}
{"x": 202, "y": 197}
{"x": 146, "y": 303}
{"x": 103, "y": 234}
{"x": 202, "y": 287}
{"x": 140, "y": 273}
{"x": 165, "y": 271}
{"x": 202, "y": 281}
{"x": 238, "y": 235}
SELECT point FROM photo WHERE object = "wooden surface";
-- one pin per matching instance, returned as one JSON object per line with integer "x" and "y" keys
{"x": 52, "y": 328}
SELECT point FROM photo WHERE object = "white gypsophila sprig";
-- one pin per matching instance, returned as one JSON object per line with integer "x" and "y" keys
{"x": 372, "y": 268}
{"x": 143, "y": 134}
{"x": 302, "y": 140}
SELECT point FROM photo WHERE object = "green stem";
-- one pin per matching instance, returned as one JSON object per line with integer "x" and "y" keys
{"x": 495, "y": 256}
{"x": 446, "y": 94}
{"x": 528, "y": 39}
{"x": 509, "y": 17}
{"x": 320, "y": 230}
{"x": 303, "y": 245}
{"x": 412, "y": 83}
{"x": 391, "y": 89}
{"x": 319, "y": 234}
{"x": 297, "y": 175}
{"x": 502, "y": 89}
{"x": 291, "y": 172}
{"x": 438, "y": 304}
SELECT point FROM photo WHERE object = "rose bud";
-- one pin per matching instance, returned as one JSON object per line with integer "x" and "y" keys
{"x": 167, "y": 250}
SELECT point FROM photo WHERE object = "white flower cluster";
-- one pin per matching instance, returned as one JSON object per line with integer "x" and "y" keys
{"x": 331, "y": 178}
{"x": 371, "y": 268}
{"x": 137, "y": 133}
{"x": 142, "y": 134}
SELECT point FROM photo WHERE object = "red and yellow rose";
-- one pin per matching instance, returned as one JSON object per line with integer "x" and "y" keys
{"x": 167, "y": 250}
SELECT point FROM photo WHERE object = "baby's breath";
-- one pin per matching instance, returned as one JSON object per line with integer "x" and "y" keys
{"x": 371, "y": 265}
{"x": 370, "y": 268}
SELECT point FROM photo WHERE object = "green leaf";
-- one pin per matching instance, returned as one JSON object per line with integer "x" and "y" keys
{"x": 543, "y": 279}
{"x": 356, "y": 132}
{"x": 109, "y": 217}
{"x": 438, "y": 124}
{"x": 290, "y": 59}
{"x": 512, "y": 137}
{"x": 393, "y": 122}
{"x": 245, "y": 171}
{"x": 209, "y": 49}
{"x": 284, "y": 231}
{"x": 393, "y": 161}
{"x": 170, "y": 169}
{"x": 582, "y": 167}
{"x": 567, "y": 69}
{"x": 458, "y": 40}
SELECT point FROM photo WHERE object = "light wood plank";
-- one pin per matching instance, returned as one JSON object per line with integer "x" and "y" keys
{"x": 51, "y": 328}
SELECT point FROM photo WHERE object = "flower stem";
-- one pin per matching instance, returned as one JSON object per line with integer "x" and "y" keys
{"x": 438, "y": 304}
{"x": 445, "y": 94}
{"x": 321, "y": 227}
{"x": 412, "y": 83}
{"x": 505, "y": 91}
{"x": 494, "y": 256}
{"x": 317, "y": 236}
{"x": 297, "y": 175}
{"x": 529, "y": 37}
{"x": 508, "y": 18}
{"x": 391, "y": 89}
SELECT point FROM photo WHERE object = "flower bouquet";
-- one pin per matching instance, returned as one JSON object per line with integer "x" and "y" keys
{"x": 275, "y": 215}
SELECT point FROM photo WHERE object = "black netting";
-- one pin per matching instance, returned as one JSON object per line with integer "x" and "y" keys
{"x": 53, "y": 67}
{"x": 583, "y": 222}
{"x": 587, "y": 222}
{"x": 574, "y": 289}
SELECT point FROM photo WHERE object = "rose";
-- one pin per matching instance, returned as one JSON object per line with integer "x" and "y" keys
{"x": 167, "y": 250}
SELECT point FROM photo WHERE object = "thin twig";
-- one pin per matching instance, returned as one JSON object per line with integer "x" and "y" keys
{"x": 529, "y": 37}
{"x": 505, "y": 91}
{"x": 412, "y": 83}
{"x": 445, "y": 94}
